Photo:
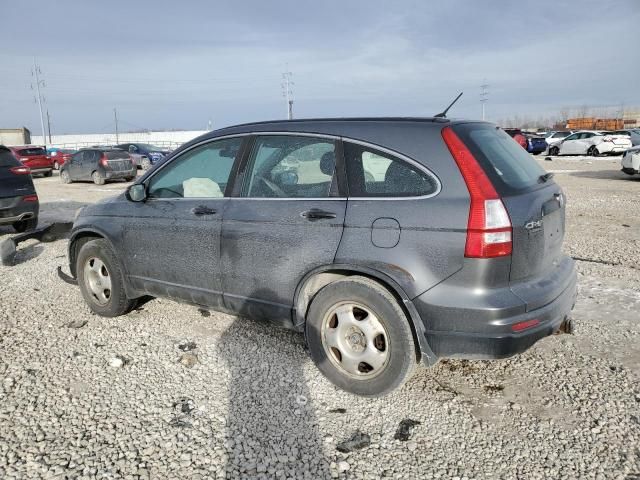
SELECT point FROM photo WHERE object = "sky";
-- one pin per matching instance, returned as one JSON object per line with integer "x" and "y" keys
{"x": 178, "y": 65}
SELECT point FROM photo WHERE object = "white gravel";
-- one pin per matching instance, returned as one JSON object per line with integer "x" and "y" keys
{"x": 131, "y": 397}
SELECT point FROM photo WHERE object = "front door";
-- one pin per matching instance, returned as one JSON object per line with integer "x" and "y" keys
{"x": 286, "y": 221}
{"x": 570, "y": 145}
{"x": 172, "y": 240}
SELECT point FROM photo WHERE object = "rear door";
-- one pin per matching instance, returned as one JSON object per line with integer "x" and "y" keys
{"x": 537, "y": 210}
{"x": 286, "y": 220}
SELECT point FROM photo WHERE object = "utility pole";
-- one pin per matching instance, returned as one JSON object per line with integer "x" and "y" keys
{"x": 36, "y": 72}
{"x": 49, "y": 126}
{"x": 287, "y": 92}
{"x": 484, "y": 95}
{"x": 115, "y": 115}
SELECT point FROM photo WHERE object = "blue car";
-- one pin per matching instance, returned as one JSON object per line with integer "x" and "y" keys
{"x": 536, "y": 145}
{"x": 144, "y": 155}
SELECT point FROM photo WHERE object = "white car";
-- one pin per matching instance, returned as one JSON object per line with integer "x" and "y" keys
{"x": 631, "y": 161}
{"x": 594, "y": 143}
{"x": 555, "y": 137}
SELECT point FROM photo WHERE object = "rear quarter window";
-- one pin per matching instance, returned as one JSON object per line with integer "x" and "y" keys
{"x": 508, "y": 165}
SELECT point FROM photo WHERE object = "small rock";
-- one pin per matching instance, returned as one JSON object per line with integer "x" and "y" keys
{"x": 357, "y": 441}
{"x": 404, "y": 429}
{"x": 338, "y": 410}
{"x": 117, "y": 361}
{"x": 343, "y": 466}
{"x": 204, "y": 313}
{"x": 412, "y": 446}
{"x": 189, "y": 360}
{"x": 77, "y": 323}
{"x": 301, "y": 400}
{"x": 187, "y": 346}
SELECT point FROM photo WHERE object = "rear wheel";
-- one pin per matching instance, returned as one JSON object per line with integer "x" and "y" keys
{"x": 48, "y": 173}
{"x": 553, "y": 151}
{"x": 101, "y": 280}
{"x": 360, "y": 338}
{"x": 593, "y": 151}
{"x": 25, "y": 225}
{"x": 145, "y": 163}
{"x": 97, "y": 178}
{"x": 65, "y": 177}
{"x": 56, "y": 165}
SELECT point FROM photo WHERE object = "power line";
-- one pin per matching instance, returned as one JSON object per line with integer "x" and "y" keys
{"x": 484, "y": 94}
{"x": 115, "y": 116}
{"x": 36, "y": 72}
{"x": 287, "y": 92}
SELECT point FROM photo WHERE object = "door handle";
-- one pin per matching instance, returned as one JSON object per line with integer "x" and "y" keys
{"x": 317, "y": 214}
{"x": 202, "y": 210}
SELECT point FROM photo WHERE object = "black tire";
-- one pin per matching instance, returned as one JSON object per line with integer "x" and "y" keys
{"x": 65, "y": 177}
{"x": 98, "y": 178}
{"x": 117, "y": 303}
{"x": 25, "y": 225}
{"x": 399, "y": 343}
{"x": 48, "y": 174}
{"x": 593, "y": 151}
{"x": 129, "y": 179}
{"x": 554, "y": 151}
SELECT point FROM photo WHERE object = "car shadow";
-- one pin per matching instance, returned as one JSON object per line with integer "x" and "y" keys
{"x": 271, "y": 427}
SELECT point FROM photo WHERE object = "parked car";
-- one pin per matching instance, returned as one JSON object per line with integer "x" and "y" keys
{"x": 59, "y": 156}
{"x": 98, "y": 164}
{"x": 535, "y": 144}
{"x": 278, "y": 221}
{"x": 632, "y": 133}
{"x": 518, "y": 136}
{"x": 145, "y": 155}
{"x": 35, "y": 158}
{"x": 555, "y": 137}
{"x": 592, "y": 143}
{"x": 19, "y": 204}
{"x": 631, "y": 161}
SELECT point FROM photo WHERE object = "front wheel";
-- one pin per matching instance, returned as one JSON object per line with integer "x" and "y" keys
{"x": 360, "y": 338}
{"x": 97, "y": 178}
{"x": 554, "y": 151}
{"x": 101, "y": 281}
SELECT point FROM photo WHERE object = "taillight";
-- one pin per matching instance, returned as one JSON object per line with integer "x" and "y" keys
{"x": 103, "y": 160}
{"x": 20, "y": 170}
{"x": 489, "y": 226}
{"x": 30, "y": 198}
{"x": 521, "y": 326}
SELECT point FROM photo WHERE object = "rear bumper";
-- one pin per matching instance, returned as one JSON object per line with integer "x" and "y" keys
{"x": 113, "y": 174}
{"x": 486, "y": 330}
{"x": 22, "y": 211}
{"x": 38, "y": 170}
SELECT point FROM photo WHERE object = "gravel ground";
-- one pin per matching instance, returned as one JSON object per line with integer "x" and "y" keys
{"x": 170, "y": 391}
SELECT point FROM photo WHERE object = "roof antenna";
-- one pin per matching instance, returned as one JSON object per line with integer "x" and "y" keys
{"x": 444, "y": 114}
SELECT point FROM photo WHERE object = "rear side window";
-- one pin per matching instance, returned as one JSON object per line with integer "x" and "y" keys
{"x": 373, "y": 173}
{"x": 31, "y": 151}
{"x": 7, "y": 159}
{"x": 507, "y": 164}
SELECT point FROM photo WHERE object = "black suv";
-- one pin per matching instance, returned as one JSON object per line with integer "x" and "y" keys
{"x": 386, "y": 241}
{"x": 98, "y": 164}
{"x": 18, "y": 199}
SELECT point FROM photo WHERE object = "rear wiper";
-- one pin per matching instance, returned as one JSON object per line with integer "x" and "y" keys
{"x": 545, "y": 177}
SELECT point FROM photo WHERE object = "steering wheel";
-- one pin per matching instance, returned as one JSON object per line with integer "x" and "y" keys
{"x": 273, "y": 187}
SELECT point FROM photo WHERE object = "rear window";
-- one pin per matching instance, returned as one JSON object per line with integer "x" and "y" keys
{"x": 116, "y": 154}
{"x": 507, "y": 164}
{"x": 25, "y": 152}
{"x": 7, "y": 159}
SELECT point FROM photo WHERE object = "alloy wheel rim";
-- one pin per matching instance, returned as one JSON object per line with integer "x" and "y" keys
{"x": 97, "y": 280}
{"x": 355, "y": 340}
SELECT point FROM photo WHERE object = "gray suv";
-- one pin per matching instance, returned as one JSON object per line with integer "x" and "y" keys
{"x": 387, "y": 241}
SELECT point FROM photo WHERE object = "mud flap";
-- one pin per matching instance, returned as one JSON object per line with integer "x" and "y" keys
{"x": 48, "y": 233}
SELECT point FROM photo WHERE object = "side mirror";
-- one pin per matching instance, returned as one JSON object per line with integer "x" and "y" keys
{"x": 137, "y": 192}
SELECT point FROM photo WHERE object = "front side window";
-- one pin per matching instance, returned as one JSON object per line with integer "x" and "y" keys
{"x": 373, "y": 173}
{"x": 572, "y": 137}
{"x": 286, "y": 166}
{"x": 199, "y": 173}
